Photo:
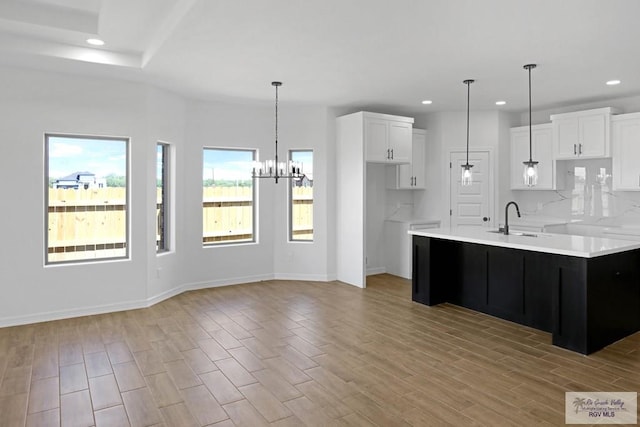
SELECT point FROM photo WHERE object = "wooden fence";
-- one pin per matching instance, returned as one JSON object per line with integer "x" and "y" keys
{"x": 82, "y": 220}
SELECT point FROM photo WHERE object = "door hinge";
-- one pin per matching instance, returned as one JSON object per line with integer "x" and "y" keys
{"x": 449, "y": 165}
{"x": 450, "y": 212}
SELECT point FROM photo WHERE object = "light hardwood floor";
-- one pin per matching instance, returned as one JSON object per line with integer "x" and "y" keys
{"x": 287, "y": 353}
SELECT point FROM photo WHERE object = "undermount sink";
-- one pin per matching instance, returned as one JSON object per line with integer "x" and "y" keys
{"x": 513, "y": 233}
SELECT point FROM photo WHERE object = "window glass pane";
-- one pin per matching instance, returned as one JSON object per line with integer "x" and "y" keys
{"x": 162, "y": 202}
{"x": 301, "y": 198}
{"x": 228, "y": 210}
{"x": 86, "y": 179}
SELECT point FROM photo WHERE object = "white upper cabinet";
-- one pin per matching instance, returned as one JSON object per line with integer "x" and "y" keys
{"x": 387, "y": 138}
{"x": 542, "y": 152}
{"x": 625, "y": 135}
{"x": 410, "y": 176}
{"x": 582, "y": 134}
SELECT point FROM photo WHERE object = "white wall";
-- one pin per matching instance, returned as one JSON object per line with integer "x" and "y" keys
{"x": 35, "y": 102}
{"x": 228, "y": 125}
{"x": 447, "y": 131}
{"x": 570, "y": 202}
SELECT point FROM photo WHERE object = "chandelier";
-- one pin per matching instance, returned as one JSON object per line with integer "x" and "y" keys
{"x": 274, "y": 168}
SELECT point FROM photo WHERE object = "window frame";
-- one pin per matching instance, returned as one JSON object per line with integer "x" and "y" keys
{"x": 291, "y": 237}
{"x": 127, "y": 234}
{"x": 165, "y": 213}
{"x": 254, "y": 200}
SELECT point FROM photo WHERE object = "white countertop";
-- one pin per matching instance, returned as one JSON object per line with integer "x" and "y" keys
{"x": 413, "y": 221}
{"x": 561, "y": 244}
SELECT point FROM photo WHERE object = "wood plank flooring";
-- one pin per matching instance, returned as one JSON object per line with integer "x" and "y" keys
{"x": 288, "y": 353}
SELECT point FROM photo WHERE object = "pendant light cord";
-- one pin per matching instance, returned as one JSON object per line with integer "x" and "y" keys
{"x": 468, "y": 101}
{"x": 530, "y": 136}
{"x": 468, "y": 82}
{"x": 276, "y": 85}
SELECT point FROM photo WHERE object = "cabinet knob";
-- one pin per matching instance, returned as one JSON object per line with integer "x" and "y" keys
{"x": 575, "y": 151}
{"x": 392, "y": 153}
{"x": 579, "y": 148}
{"x": 485, "y": 218}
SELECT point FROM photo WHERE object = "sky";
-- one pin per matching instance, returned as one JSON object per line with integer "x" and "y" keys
{"x": 237, "y": 164}
{"x": 101, "y": 157}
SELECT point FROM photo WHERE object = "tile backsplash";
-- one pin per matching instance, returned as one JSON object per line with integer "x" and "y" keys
{"x": 587, "y": 196}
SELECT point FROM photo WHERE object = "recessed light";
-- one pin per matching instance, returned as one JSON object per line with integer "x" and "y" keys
{"x": 427, "y": 102}
{"x": 95, "y": 42}
{"x": 613, "y": 82}
{"x": 501, "y": 102}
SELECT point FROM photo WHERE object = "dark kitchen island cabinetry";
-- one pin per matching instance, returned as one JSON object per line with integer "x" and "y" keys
{"x": 586, "y": 302}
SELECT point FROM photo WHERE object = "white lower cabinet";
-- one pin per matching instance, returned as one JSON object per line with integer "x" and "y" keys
{"x": 542, "y": 152}
{"x": 625, "y": 135}
{"x": 398, "y": 255}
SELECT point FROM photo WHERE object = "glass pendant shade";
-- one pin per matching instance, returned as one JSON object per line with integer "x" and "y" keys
{"x": 467, "y": 175}
{"x": 530, "y": 174}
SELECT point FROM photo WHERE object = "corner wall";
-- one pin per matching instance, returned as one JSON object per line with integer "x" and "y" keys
{"x": 36, "y": 102}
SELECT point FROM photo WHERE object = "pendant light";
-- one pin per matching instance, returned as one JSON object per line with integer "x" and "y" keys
{"x": 467, "y": 175}
{"x": 530, "y": 174}
{"x": 274, "y": 168}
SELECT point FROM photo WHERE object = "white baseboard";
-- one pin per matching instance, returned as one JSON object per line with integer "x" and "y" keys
{"x": 376, "y": 270}
{"x": 70, "y": 313}
{"x": 303, "y": 277}
{"x": 155, "y": 299}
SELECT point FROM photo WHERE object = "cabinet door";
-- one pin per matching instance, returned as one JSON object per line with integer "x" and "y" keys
{"x": 400, "y": 142}
{"x": 593, "y": 136}
{"x": 543, "y": 154}
{"x": 567, "y": 138}
{"x": 418, "y": 160}
{"x": 542, "y": 151}
{"x": 626, "y": 152}
{"x": 411, "y": 176}
{"x": 519, "y": 153}
{"x": 505, "y": 284}
{"x": 376, "y": 140}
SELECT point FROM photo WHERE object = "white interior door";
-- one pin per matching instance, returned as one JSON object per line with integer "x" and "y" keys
{"x": 470, "y": 206}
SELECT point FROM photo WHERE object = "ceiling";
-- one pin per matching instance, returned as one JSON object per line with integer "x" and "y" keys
{"x": 379, "y": 55}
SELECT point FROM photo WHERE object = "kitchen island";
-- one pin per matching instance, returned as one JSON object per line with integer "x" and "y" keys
{"x": 584, "y": 290}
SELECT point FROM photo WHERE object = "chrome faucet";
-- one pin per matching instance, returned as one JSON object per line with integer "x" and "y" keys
{"x": 506, "y": 215}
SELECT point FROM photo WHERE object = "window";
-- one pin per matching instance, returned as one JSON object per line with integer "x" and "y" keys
{"x": 86, "y": 198}
{"x": 162, "y": 197}
{"x": 301, "y": 198}
{"x": 228, "y": 194}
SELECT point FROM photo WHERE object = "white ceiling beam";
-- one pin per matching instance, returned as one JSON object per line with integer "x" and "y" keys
{"x": 166, "y": 28}
{"x": 17, "y": 44}
{"x": 48, "y": 15}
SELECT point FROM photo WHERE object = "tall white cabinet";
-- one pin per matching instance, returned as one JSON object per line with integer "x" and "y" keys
{"x": 362, "y": 137}
{"x": 625, "y": 135}
{"x": 582, "y": 134}
{"x": 411, "y": 176}
{"x": 542, "y": 152}
{"x": 388, "y": 138}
